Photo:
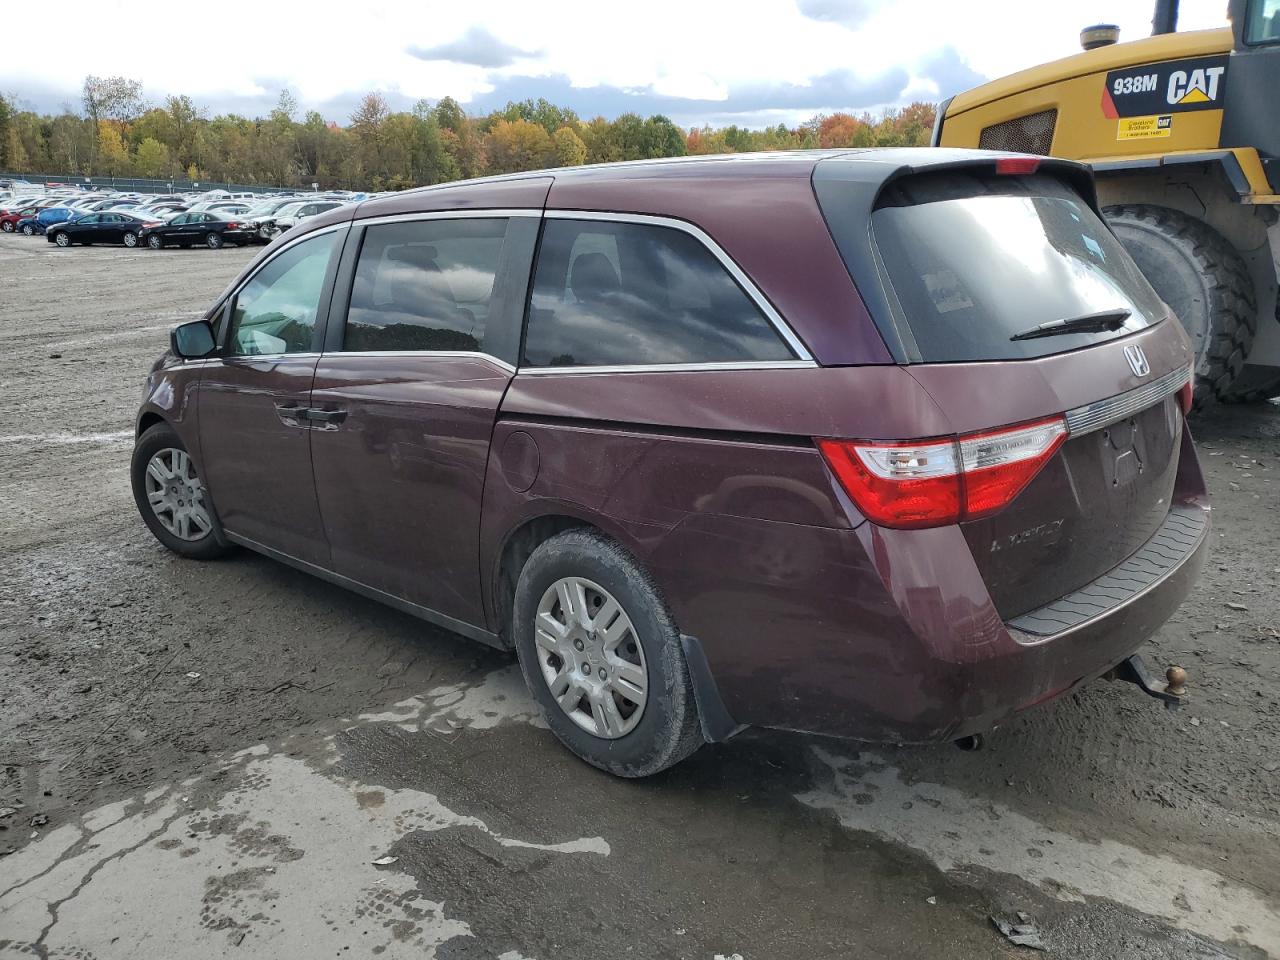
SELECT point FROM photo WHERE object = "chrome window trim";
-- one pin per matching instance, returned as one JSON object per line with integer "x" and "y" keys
{"x": 779, "y": 324}
{"x": 1101, "y": 413}
{"x": 668, "y": 368}
{"x": 242, "y": 358}
{"x": 447, "y": 354}
{"x": 467, "y": 214}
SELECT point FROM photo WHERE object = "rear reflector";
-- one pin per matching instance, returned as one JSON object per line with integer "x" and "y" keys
{"x": 932, "y": 483}
{"x": 1017, "y": 165}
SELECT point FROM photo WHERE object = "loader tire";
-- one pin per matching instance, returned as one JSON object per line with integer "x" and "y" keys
{"x": 1200, "y": 275}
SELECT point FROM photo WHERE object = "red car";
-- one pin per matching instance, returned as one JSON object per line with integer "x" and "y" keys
{"x": 882, "y": 444}
{"x": 9, "y": 218}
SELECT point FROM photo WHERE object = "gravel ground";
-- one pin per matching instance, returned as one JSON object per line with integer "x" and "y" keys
{"x": 131, "y": 682}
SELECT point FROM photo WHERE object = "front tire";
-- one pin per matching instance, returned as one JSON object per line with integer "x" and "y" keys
{"x": 28, "y": 231}
{"x": 1202, "y": 277}
{"x": 213, "y": 240}
{"x": 7, "y": 227}
{"x": 62, "y": 239}
{"x": 154, "y": 242}
{"x": 601, "y": 654}
{"x": 172, "y": 498}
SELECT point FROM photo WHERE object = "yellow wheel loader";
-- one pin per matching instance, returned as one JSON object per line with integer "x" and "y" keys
{"x": 1183, "y": 133}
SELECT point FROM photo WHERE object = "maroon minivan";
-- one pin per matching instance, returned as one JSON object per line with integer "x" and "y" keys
{"x": 886, "y": 444}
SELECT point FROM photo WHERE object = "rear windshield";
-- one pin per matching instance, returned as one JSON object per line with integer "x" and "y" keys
{"x": 977, "y": 259}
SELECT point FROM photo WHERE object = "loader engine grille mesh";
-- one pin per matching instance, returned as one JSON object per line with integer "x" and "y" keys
{"x": 1030, "y": 134}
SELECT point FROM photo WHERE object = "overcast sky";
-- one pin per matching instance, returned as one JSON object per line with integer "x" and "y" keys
{"x": 750, "y": 62}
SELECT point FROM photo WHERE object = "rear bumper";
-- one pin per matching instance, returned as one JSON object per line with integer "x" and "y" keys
{"x": 891, "y": 635}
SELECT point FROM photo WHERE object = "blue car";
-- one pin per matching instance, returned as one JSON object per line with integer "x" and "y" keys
{"x": 46, "y": 218}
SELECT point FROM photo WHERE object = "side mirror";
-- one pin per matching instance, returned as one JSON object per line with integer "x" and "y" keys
{"x": 193, "y": 340}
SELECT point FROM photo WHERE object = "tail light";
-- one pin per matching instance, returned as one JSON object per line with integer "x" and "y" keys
{"x": 1187, "y": 394}
{"x": 232, "y": 225}
{"x": 932, "y": 483}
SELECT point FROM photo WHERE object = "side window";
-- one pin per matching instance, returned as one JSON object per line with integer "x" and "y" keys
{"x": 275, "y": 312}
{"x": 425, "y": 285}
{"x": 607, "y": 294}
{"x": 179, "y": 219}
{"x": 1263, "y": 23}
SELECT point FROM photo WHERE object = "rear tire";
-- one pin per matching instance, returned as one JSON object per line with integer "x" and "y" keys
{"x": 213, "y": 240}
{"x": 130, "y": 239}
{"x": 168, "y": 491}
{"x": 667, "y": 729}
{"x": 1201, "y": 276}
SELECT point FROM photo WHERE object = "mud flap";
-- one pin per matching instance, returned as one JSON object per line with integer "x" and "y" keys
{"x": 713, "y": 716}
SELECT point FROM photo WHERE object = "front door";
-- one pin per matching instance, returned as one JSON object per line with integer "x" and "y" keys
{"x": 255, "y": 436}
{"x": 411, "y": 385}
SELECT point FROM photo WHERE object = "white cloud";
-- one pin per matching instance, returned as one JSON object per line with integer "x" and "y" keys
{"x": 707, "y": 51}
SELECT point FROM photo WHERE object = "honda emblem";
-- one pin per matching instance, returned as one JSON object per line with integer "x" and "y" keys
{"x": 1137, "y": 360}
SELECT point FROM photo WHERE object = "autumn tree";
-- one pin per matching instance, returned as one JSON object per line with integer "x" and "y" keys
{"x": 518, "y": 145}
{"x": 569, "y": 149}
{"x": 112, "y": 155}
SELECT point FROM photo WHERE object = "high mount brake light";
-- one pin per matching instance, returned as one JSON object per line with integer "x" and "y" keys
{"x": 931, "y": 483}
{"x": 1017, "y": 165}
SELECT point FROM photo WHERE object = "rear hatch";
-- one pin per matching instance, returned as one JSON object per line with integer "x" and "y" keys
{"x": 1013, "y": 304}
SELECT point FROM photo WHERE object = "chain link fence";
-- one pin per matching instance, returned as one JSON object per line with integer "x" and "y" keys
{"x": 137, "y": 184}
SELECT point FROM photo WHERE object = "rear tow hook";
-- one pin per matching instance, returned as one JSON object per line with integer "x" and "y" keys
{"x": 1172, "y": 689}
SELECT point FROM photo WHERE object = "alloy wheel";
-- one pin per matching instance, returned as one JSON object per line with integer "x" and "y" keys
{"x": 62, "y": 240}
{"x": 591, "y": 658}
{"x": 8, "y": 227}
{"x": 154, "y": 242}
{"x": 28, "y": 231}
{"x": 176, "y": 494}
{"x": 213, "y": 240}
{"x": 130, "y": 239}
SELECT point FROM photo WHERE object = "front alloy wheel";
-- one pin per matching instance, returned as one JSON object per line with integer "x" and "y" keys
{"x": 28, "y": 231}
{"x": 8, "y": 226}
{"x": 590, "y": 658}
{"x": 154, "y": 242}
{"x": 62, "y": 240}
{"x": 176, "y": 495}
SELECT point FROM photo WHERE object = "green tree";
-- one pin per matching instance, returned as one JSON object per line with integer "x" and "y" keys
{"x": 6, "y": 112}
{"x": 152, "y": 158}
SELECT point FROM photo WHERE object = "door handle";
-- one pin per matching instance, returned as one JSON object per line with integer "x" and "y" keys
{"x": 291, "y": 414}
{"x": 325, "y": 419}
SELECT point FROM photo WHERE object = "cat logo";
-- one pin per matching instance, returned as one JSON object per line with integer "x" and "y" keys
{"x": 1198, "y": 86}
{"x": 1176, "y": 86}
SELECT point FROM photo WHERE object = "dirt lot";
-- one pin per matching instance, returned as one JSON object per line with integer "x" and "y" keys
{"x": 203, "y": 760}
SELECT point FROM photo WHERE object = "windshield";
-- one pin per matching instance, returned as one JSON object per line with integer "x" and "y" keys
{"x": 976, "y": 260}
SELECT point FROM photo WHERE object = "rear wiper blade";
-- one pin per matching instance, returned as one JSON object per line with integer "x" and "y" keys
{"x": 1089, "y": 323}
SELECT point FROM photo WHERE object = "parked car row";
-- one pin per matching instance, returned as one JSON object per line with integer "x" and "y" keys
{"x": 66, "y": 216}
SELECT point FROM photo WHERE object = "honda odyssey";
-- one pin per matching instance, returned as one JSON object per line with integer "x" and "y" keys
{"x": 885, "y": 444}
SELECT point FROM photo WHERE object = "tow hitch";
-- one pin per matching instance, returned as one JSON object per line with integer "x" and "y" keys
{"x": 1172, "y": 689}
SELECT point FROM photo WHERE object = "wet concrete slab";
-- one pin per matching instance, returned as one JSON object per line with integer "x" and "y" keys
{"x": 451, "y": 825}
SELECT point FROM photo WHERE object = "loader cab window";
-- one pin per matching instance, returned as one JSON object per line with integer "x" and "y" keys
{"x": 1262, "y": 22}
